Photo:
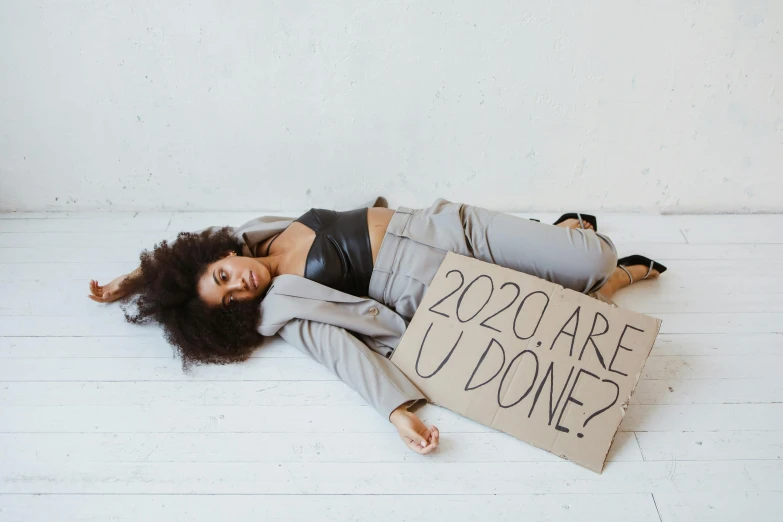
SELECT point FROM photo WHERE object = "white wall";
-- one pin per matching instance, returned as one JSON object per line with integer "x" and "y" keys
{"x": 670, "y": 105}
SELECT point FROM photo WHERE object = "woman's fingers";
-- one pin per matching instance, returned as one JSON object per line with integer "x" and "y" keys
{"x": 434, "y": 440}
{"x": 96, "y": 291}
{"x": 95, "y": 288}
{"x": 414, "y": 441}
{"x": 105, "y": 293}
{"x": 99, "y": 293}
{"x": 428, "y": 448}
{"x": 415, "y": 446}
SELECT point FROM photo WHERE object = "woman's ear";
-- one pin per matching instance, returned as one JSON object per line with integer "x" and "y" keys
{"x": 231, "y": 253}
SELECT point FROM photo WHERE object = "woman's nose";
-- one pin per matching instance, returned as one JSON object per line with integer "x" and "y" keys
{"x": 239, "y": 284}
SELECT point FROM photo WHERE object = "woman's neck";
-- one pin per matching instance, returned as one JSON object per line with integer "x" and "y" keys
{"x": 271, "y": 263}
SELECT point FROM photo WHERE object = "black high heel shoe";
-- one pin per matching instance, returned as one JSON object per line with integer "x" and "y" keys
{"x": 640, "y": 260}
{"x": 581, "y": 217}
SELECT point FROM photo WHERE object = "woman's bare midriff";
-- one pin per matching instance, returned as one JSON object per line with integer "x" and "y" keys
{"x": 295, "y": 241}
{"x": 378, "y": 219}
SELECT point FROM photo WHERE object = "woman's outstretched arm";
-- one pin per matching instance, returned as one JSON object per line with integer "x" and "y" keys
{"x": 374, "y": 377}
{"x": 118, "y": 288}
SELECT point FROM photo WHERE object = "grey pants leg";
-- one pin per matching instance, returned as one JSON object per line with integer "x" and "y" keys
{"x": 417, "y": 241}
{"x": 581, "y": 260}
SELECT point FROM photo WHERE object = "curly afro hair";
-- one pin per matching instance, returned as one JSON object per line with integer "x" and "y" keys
{"x": 168, "y": 295}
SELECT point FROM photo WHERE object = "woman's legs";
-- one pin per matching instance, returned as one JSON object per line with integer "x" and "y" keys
{"x": 619, "y": 279}
{"x": 581, "y": 260}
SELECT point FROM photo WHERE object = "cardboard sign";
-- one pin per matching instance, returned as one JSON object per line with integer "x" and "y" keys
{"x": 547, "y": 365}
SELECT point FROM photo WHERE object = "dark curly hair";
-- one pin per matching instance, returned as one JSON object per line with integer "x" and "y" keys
{"x": 168, "y": 295}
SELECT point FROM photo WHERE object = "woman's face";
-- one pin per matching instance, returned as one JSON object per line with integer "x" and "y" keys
{"x": 233, "y": 278}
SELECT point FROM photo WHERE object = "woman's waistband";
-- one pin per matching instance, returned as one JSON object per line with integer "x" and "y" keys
{"x": 384, "y": 263}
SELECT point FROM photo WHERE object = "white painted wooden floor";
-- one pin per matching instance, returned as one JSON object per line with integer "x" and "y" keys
{"x": 98, "y": 422}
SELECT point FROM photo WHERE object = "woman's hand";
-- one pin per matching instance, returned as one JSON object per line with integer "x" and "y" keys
{"x": 118, "y": 288}
{"x": 413, "y": 432}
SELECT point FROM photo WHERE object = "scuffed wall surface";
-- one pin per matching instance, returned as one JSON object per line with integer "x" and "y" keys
{"x": 671, "y": 106}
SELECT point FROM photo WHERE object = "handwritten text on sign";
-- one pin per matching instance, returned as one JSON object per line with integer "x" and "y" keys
{"x": 549, "y": 366}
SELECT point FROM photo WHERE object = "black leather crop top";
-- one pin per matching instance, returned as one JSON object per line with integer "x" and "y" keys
{"x": 340, "y": 256}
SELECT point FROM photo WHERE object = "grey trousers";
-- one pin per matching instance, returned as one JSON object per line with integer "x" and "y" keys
{"x": 417, "y": 240}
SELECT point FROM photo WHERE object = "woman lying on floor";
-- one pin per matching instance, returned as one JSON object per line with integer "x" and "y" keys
{"x": 342, "y": 286}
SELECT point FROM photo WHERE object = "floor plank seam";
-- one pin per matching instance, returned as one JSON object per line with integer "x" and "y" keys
{"x": 638, "y": 444}
{"x": 656, "y": 507}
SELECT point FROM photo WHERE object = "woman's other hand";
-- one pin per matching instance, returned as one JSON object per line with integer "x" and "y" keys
{"x": 110, "y": 292}
{"x": 413, "y": 432}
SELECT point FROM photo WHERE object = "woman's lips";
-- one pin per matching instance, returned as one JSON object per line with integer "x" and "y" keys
{"x": 254, "y": 280}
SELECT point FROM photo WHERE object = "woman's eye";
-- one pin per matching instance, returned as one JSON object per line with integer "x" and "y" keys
{"x": 230, "y": 299}
{"x": 223, "y": 276}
